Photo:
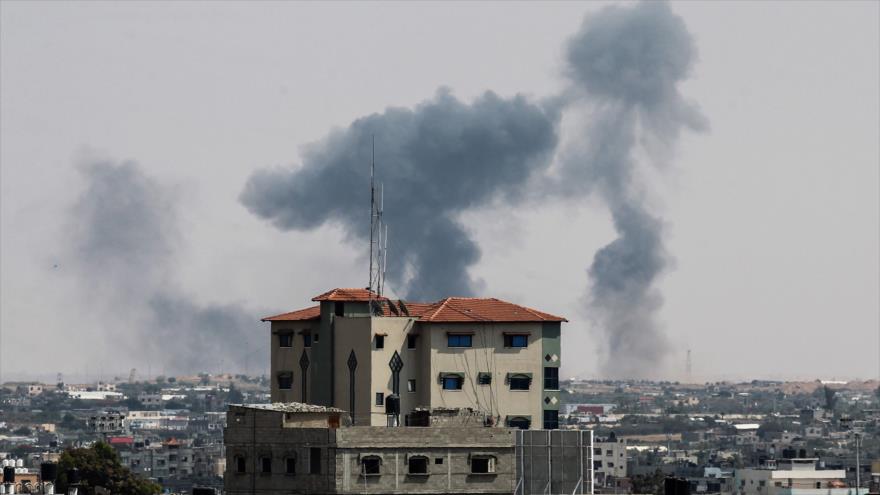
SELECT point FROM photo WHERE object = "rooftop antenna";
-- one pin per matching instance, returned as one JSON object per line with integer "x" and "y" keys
{"x": 372, "y": 208}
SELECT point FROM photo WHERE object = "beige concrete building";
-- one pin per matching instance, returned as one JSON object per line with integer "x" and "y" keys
{"x": 494, "y": 357}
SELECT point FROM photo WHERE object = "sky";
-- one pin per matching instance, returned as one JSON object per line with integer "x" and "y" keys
{"x": 770, "y": 212}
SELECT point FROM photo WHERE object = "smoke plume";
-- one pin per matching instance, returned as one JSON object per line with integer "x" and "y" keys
{"x": 435, "y": 160}
{"x": 442, "y": 157}
{"x": 624, "y": 66}
{"x": 124, "y": 235}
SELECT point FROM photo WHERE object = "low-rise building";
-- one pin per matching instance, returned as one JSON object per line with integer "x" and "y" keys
{"x": 793, "y": 477}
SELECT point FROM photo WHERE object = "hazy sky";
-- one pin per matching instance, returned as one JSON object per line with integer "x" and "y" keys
{"x": 771, "y": 215}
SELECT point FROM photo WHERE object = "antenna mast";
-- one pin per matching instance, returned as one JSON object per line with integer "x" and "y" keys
{"x": 378, "y": 242}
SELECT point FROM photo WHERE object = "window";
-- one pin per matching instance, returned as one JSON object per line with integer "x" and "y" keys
{"x": 290, "y": 465}
{"x": 452, "y": 382}
{"x": 597, "y": 451}
{"x": 380, "y": 399}
{"x": 339, "y": 308}
{"x": 609, "y": 453}
{"x": 520, "y": 382}
{"x": 317, "y": 337}
{"x": 307, "y": 339}
{"x": 597, "y": 464}
{"x": 551, "y": 378}
{"x": 521, "y": 422}
{"x": 459, "y": 340}
{"x": 315, "y": 460}
{"x": 516, "y": 340}
{"x": 482, "y": 465}
{"x": 484, "y": 378}
{"x": 411, "y": 341}
{"x": 610, "y": 464}
{"x": 764, "y": 483}
{"x": 380, "y": 341}
{"x": 285, "y": 340}
{"x": 438, "y": 460}
{"x": 551, "y": 419}
{"x": 418, "y": 464}
{"x": 266, "y": 465}
{"x": 285, "y": 380}
{"x": 240, "y": 464}
{"x": 411, "y": 385}
{"x": 370, "y": 465}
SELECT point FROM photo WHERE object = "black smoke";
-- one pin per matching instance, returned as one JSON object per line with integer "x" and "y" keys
{"x": 124, "y": 235}
{"x": 435, "y": 161}
{"x": 625, "y": 65}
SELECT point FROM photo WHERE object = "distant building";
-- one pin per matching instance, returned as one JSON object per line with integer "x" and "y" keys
{"x": 792, "y": 477}
{"x": 107, "y": 422}
{"x": 609, "y": 460}
{"x": 485, "y": 354}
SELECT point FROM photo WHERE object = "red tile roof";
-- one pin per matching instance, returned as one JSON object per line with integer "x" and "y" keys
{"x": 348, "y": 295}
{"x": 312, "y": 313}
{"x": 120, "y": 440}
{"x": 471, "y": 309}
{"x": 448, "y": 310}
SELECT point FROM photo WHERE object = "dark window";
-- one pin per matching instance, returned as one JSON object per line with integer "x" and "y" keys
{"x": 265, "y": 464}
{"x": 240, "y": 464}
{"x": 520, "y": 382}
{"x": 438, "y": 460}
{"x": 452, "y": 382}
{"x": 380, "y": 341}
{"x": 482, "y": 465}
{"x": 370, "y": 465}
{"x": 307, "y": 339}
{"x": 285, "y": 340}
{"x": 484, "y": 378}
{"x": 551, "y": 378}
{"x": 459, "y": 340}
{"x": 519, "y": 422}
{"x": 411, "y": 341}
{"x": 551, "y": 419}
{"x": 317, "y": 337}
{"x": 339, "y": 309}
{"x": 290, "y": 464}
{"x": 418, "y": 465}
{"x": 285, "y": 380}
{"x": 597, "y": 464}
{"x": 513, "y": 340}
{"x": 411, "y": 385}
{"x": 380, "y": 399}
{"x": 315, "y": 460}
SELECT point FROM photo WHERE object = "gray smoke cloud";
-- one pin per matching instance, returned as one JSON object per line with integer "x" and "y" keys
{"x": 124, "y": 236}
{"x": 625, "y": 65}
{"x": 442, "y": 157}
{"x": 435, "y": 160}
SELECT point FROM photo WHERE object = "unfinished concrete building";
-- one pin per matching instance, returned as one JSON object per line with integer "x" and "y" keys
{"x": 300, "y": 448}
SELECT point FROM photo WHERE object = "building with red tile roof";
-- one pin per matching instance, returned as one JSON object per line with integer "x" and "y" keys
{"x": 486, "y": 354}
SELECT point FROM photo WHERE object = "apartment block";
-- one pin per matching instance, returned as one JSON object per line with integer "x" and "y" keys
{"x": 354, "y": 349}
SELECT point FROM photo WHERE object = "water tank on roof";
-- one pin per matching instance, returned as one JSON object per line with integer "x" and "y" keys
{"x": 19, "y": 463}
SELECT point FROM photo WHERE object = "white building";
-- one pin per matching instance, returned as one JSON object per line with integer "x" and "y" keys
{"x": 793, "y": 477}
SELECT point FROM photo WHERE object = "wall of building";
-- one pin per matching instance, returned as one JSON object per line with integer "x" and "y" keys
{"x": 287, "y": 358}
{"x": 488, "y": 354}
{"x": 353, "y": 333}
{"x": 395, "y": 331}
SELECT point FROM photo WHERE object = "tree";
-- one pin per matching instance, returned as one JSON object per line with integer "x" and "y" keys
{"x": 69, "y": 422}
{"x": 171, "y": 379}
{"x": 649, "y": 483}
{"x": 23, "y": 431}
{"x": 100, "y": 466}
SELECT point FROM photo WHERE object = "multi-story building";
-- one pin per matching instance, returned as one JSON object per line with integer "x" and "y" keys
{"x": 609, "y": 460}
{"x": 107, "y": 422}
{"x": 492, "y": 356}
{"x": 303, "y": 448}
{"x": 793, "y": 477}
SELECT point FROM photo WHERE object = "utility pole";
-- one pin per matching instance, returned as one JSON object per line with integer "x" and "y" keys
{"x": 858, "y": 439}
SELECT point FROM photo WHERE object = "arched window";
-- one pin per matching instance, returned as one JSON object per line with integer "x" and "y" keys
{"x": 521, "y": 422}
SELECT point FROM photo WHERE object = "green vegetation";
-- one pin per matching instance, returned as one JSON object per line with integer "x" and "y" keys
{"x": 99, "y": 466}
